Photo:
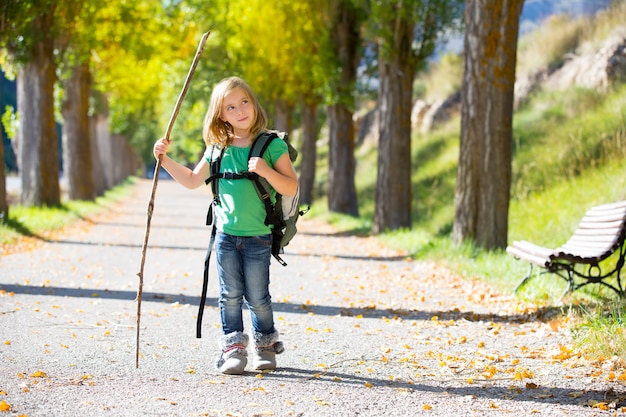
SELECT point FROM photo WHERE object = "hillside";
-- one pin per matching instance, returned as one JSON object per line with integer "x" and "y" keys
{"x": 555, "y": 52}
{"x": 569, "y": 145}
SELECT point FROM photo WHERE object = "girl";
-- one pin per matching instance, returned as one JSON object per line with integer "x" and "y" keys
{"x": 243, "y": 243}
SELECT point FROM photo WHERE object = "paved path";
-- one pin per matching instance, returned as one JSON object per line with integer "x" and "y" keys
{"x": 367, "y": 332}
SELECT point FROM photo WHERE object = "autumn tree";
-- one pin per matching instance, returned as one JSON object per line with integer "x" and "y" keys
{"x": 344, "y": 24}
{"x": 263, "y": 54}
{"x": 291, "y": 75}
{"x": 406, "y": 33}
{"x": 189, "y": 19}
{"x": 139, "y": 48}
{"x": 484, "y": 173}
{"x": 281, "y": 60}
{"x": 27, "y": 32}
{"x": 308, "y": 61}
{"x": 76, "y": 44}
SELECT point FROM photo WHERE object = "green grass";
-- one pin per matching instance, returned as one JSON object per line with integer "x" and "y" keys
{"x": 603, "y": 333}
{"x": 569, "y": 154}
{"x": 38, "y": 221}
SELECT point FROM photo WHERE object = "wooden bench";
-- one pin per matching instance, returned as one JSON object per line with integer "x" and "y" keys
{"x": 600, "y": 233}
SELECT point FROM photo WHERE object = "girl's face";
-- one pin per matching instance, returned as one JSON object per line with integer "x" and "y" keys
{"x": 237, "y": 109}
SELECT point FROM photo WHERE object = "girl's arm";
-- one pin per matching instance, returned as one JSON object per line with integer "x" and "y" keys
{"x": 282, "y": 178}
{"x": 183, "y": 175}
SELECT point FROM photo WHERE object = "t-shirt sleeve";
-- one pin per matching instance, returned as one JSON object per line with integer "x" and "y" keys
{"x": 277, "y": 148}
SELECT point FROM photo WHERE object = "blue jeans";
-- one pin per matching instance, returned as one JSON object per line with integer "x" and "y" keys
{"x": 243, "y": 266}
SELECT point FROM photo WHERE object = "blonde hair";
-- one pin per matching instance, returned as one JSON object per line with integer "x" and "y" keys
{"x": 218, "y": 132}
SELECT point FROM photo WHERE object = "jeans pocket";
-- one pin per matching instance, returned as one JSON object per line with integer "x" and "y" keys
{"x": 265, "y": 240}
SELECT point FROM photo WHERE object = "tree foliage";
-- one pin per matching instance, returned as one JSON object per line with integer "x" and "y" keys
{"x": 137, "y": 45}
{"x": 274, "y": 45}
{"x": 295, "y": 55}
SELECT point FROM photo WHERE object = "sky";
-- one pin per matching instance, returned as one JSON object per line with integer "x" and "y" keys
{"x": 534, "y": 13}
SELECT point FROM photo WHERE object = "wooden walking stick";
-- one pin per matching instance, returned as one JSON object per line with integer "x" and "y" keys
{"x": 155, "y": 180}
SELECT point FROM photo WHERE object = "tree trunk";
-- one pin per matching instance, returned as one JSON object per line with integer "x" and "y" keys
{"x": 97, "y": 173}
{"x": 341, "y": 191}
{"x": 393, "y": 187}
{"x": 484, "y": 173}
{"x": 308, "y": 153}
{"x": 37, "y": 136}
{"x": 282, "y": 116}
{"x": 341, "y": 188}
{"x": 77, "y": 158}
{"x": 4, "y": 204}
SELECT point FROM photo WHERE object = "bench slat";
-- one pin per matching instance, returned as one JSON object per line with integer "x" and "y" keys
{"x": 606, "y": 212}
{"x": 600, "y": 225}
{"x": 604, "y": 215}
{"x": 580, "y": 254}
{"x": 529, "y": 257}
{"x": 592, "y": 241}
{"x": 609, "y": 206}
{"x": 597, "y": 248}
{"x": 608, "y": 231}
{"x": 528, "y": 247}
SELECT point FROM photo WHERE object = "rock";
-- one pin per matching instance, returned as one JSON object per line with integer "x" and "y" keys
{"x": 440, "y": 111}
{"x": 597, "y": 69}
{"x": 418, "y": 113}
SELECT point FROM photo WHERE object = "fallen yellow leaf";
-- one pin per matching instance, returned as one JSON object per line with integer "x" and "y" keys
{"x": 39, "y": 374}
{"x": 4, "y": 406}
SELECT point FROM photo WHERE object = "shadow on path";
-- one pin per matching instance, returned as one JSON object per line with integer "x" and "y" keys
{"x": 320, "y": 310}
{"x": 538, "y": 393}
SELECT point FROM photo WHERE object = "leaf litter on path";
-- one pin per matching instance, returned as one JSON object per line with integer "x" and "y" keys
{"x": 367, "y": 331}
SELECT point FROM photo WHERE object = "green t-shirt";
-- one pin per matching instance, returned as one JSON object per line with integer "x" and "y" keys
{"x": 241, "y": 212}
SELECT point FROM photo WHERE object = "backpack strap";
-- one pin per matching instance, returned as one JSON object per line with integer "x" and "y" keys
{"x": 205, "y": 282}
{"x": 261, "y": 143}
{"x": 258, "y": 148}
{"x": 215, "y": 169}
{"x": 215, "y": 166}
